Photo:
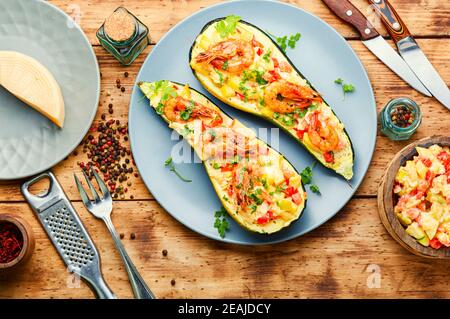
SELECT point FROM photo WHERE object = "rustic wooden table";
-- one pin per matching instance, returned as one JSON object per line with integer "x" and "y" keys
{"x": 351, "y": 256}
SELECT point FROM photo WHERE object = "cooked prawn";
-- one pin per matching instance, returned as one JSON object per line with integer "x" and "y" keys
{"x": 233, "y": 56}
{"x": 175, "y": 106}
{"x": 325, "y": 138}
{"x": 285, "y": 97}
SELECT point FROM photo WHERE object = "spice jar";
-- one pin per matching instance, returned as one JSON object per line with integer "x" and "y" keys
{"x": 123, "y": 35}
{"x": 16, "y": 241}
{"x": 400, "y": 118}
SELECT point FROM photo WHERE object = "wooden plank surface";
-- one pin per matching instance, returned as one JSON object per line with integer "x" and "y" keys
{"x": 333, "y": 261}
{"x": 336, "y": 260}
{"x": 425, "y": 18}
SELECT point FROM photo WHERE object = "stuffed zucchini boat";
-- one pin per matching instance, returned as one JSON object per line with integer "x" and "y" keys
{"x": 257, "y": 186}
{"x": 242, "y": 66}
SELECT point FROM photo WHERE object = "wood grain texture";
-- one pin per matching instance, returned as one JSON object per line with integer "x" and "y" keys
{"x": 425, "y": 18}
{"x": 336, "y": 260}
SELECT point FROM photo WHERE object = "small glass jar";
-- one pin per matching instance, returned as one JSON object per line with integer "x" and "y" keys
{"x": 391, "y": 129}
{"x": 123, "y": 35}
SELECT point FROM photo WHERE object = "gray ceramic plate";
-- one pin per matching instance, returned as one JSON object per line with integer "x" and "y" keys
{"x": 29, "y": 143}
{"x": 321, "y": 54}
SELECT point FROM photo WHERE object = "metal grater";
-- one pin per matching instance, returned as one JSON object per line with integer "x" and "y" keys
{"x": 67, "y": 233}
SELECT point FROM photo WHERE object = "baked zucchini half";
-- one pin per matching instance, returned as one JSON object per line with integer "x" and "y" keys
{"x": 257, "y": 186}
{"x": 243, "y": 67}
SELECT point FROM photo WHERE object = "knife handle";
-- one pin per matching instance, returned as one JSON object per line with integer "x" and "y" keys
{"x": 350, "y": 14}
{"x": 394, "y": 24}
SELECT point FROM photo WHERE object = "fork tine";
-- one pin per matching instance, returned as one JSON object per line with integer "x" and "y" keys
{"x": 101, "y": 184}
{"x": 84, "y": 196}
{"x": 91, "y": 187}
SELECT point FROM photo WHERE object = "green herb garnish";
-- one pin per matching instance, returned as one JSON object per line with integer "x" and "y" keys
{"x": 160, "y": 108}
{"x": 227, "y": 26}
{"x": 220, "y": 76}
{"x": 221, "y": 222}
{"x": 307, "y": 178}
{"x": 169, "y": 163}
{"x": 346, "y": 87}
{"x": 225, "y": 65}
{"x": 315, "y": 189}
{"x": 186, "y": 131}
{"x": 286, "y": 41}
{"x": 266, "y": 57}
{"x": 259, "y": 77}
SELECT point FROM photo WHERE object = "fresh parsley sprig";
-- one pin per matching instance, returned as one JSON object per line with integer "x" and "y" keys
{"x": 307, "y": 178}
{"x": 346, "y": 87}
{"x": 221, "y": 223}
{"x": 169, "y": 163}
{"x": 227, "y": 26}
{"x": 287, "y": 41}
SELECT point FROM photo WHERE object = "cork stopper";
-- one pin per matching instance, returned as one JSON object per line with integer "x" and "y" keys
{"x": 120, "y": 25}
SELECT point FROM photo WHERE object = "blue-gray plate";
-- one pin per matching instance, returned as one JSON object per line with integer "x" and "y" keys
{"x": 29, "y": 142}
{"x": 322, "y": 55}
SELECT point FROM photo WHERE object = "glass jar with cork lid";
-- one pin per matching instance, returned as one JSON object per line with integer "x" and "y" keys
{"x": 123, "y": 35}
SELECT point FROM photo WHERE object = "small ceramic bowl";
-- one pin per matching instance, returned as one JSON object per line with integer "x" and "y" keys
{"x": 28, "y": 241}
{"x": 386, "y": 200}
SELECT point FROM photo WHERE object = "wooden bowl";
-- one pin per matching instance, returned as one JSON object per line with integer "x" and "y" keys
{"x": 386, "y": 200}
{"x": 28, "y": 241}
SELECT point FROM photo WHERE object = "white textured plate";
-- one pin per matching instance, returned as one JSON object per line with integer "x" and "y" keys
{"x": 322, "y": 55}
{"x": 30, "y": 143}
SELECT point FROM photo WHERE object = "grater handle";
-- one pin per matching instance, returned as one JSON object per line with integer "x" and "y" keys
{"x": 101, "y": 288}
{"x": 140, "y": 288}
{"x": 37, "y": 201}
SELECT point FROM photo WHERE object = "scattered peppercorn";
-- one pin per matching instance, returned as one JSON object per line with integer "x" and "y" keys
{"x": 118, "y": 81}
{"x": 122, "y": 89}
{"x": 111, "y": 111}
{"x": 402, "y": 116}
{"x": 133, "y": 236}
{"x": 164, "y": 252}
{"x": 118, "y": 85}
{"x": 126, "y": 74}
{"x": 173, "y": 282}
{"x": 107, "y": 155}
{"x": 122, "y": 235}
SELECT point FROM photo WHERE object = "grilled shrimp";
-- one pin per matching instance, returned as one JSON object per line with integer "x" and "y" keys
{"x": 285, "y": 97}
{"x": 325, "y": 138}
{"x": 175, "y": 106}
{"x": 233, "y": 56}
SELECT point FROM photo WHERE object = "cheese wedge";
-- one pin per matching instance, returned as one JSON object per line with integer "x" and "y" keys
{"x": 32, "y": 83}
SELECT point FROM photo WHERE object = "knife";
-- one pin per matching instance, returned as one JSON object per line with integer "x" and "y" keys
{"x": 375, "y": 42}
{"x": 411, "y": 52}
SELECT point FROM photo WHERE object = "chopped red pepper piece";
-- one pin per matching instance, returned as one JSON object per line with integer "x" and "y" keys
{"x": 300, "y": 133}
{"x": 242, "y": 97}
{"x": 227, "y": 168}
{"x": 290, "y": 191}
{"x": 435, "y": 243}
{"x": 427, "y": 162}
{"x": 259, "y": 51}
{"x": 329, "y": 157}
{"x": 265, "y": 219}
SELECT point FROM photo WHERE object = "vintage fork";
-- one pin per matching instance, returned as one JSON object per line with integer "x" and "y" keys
{"x": 102, "y": 208}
